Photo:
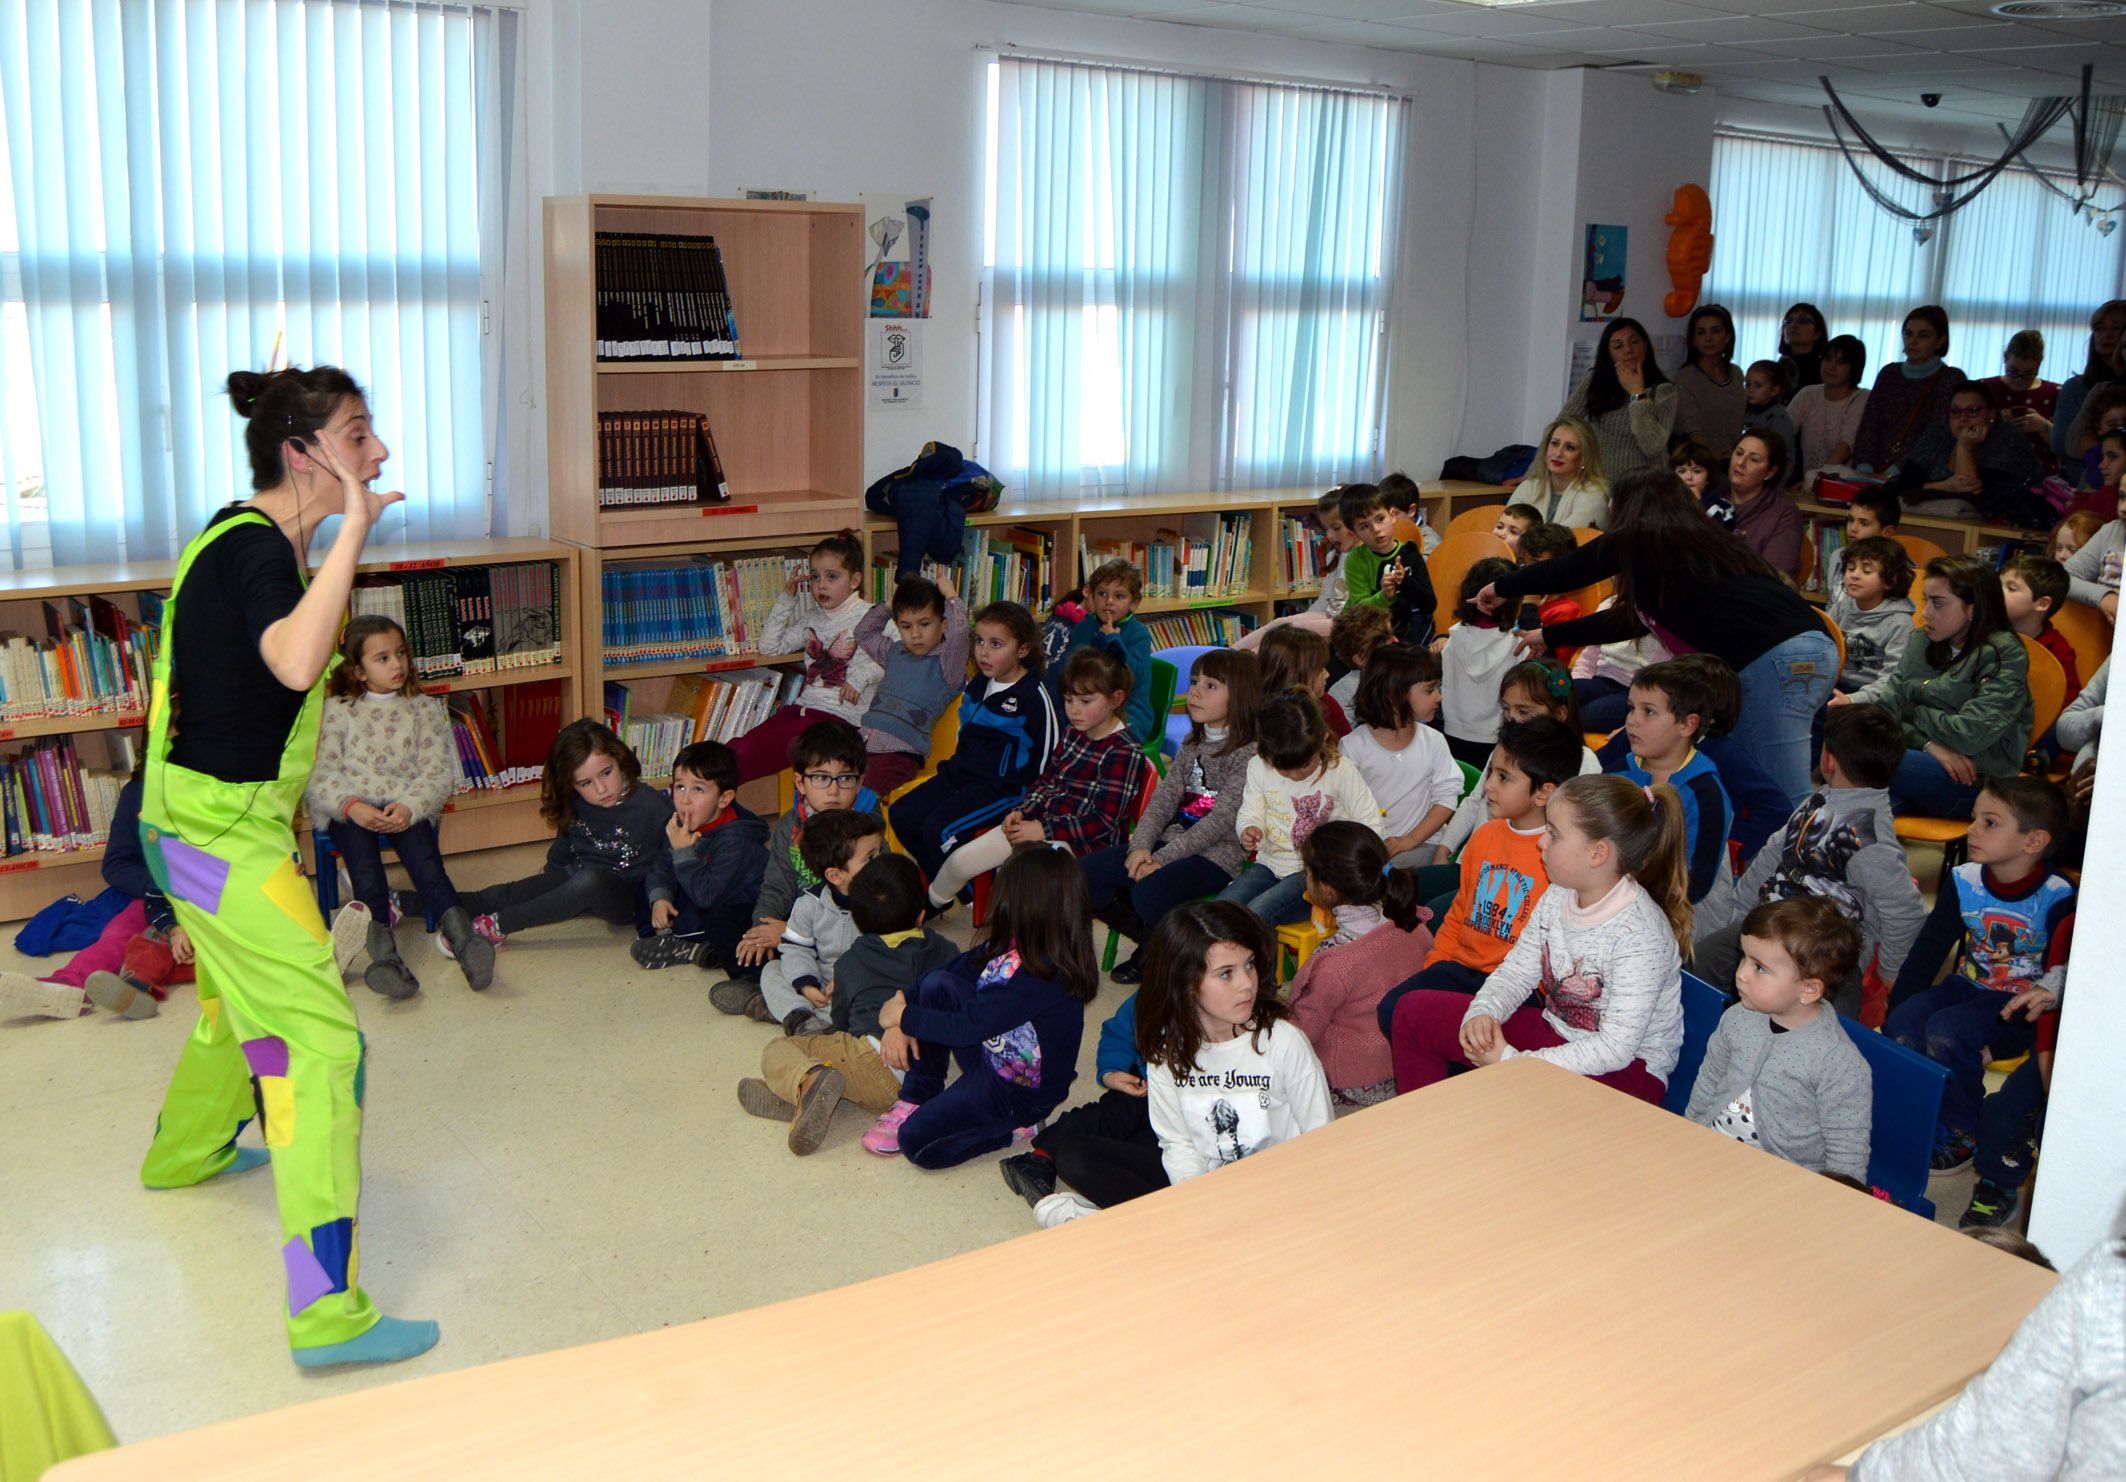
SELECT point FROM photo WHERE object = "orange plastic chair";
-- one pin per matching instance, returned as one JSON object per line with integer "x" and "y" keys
{"x": 1479, "y": 520}
{"x": 2087, "y": 634}
{"x": 1837, "y": 636}
{"x": 1920, "y": 549}
{"x": 1451, "y": 562}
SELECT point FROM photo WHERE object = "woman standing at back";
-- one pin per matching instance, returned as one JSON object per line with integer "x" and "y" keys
{"x": 1910, "y": 396}
{"x": 1709, "y": 391}
{"x": 1627, "y": 401}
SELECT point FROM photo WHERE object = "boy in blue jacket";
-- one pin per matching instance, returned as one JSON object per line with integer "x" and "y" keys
{"x": 1669, "y": 706}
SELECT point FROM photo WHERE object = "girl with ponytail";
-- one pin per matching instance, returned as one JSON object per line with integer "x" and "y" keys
{"x": 1379, "y": 941}
{"x": 1594, "y": 984}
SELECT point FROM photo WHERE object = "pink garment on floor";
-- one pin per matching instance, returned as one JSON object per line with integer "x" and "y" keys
{"x": 110, "y": 953}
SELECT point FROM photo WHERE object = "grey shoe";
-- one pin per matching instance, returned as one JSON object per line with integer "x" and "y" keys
{"x": 122, "y": 996}
{"x": 756, "y": 1099}
{"x": 386, "y": 973}
{"x": 666, "y": 949}
{"x": 815, "y": 1111}
{"x": 22, "y": 996}
{"x": 736, "y": 996}
{"x": 475, "y": 954}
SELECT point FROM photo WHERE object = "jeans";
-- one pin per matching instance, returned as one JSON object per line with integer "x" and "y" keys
{"x": 1279, "y": 901}
{"x": 2007, "y": 1127}
{"x": 1923, "y": 787}
{"x": 417, "y": 850}
{"x": 1782, "y": 689}
{"x": 1602, "y": 703}
{"x": 1958, "y": 1025}
{"x": 553, "y": 896}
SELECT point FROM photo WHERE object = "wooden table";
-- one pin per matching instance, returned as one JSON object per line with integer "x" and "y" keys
{"x": 1514, "y": 1274}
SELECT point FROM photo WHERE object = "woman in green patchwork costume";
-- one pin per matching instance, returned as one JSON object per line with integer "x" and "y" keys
{"x": 232, "y": 732}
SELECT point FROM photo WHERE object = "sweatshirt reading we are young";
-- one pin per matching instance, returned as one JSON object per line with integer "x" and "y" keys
{"x": 1251, "y": 1092}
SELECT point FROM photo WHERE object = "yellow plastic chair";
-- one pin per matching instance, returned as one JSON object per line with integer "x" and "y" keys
{"x": 944, "y": 740}
{"x": 1299, "y": 941}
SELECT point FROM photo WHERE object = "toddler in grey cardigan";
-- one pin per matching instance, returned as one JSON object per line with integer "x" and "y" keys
{"x": 1779, "y": 1072}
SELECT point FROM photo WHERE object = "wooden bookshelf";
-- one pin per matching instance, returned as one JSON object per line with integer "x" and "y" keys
{"x": 472, "y": 820}
{"x": 1954, "y": 536}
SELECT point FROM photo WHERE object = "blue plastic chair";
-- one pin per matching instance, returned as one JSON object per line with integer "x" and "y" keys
{"x": 328, "y": 875}
{"x": 1703, "y": 1004}
{"x": 1183, "y": 657}
{"x": 1908, "y": 1089}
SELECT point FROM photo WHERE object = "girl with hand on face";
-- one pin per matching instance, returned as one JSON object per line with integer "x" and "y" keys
{"x": 1973, "y": 465}
{"x": 1710, "y": 399}
{"x": 1566, "y": 485}
{"x": 1910, "y": 396}
{"x": 1627, "y": 401}
{"x": 1827, "y": 415}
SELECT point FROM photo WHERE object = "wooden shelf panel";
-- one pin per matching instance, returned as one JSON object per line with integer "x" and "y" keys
{"x": 42, "y": 859}
{"x": 493, "y": 797}
{"x": 1189, "y": 604}
{"x": 68, "y": 725}
{"x": 728, "y": 367}
{"x": 459, "y": 683}
{"x": 661, "y": 667}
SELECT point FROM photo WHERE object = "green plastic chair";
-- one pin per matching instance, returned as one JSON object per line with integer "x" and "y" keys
{"x": 1471, "y": 776}
{"x": 1165, "y": 677}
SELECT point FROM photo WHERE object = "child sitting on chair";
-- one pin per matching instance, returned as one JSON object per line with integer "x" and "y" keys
{"x": 1474, "y": 657}
{"x": 1114, "y": 590}
{"x": 922, "y": 675}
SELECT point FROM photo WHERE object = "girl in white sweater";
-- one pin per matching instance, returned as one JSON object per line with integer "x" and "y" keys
{"x": 816, "y": 620}
{"x": 1594, "y": 983}
{"x": 1297, "y": 782}
{"x": 1226, "y": 1074}
{"x": 386, "y": 765}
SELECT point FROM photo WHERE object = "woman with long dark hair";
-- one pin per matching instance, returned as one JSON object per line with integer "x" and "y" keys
{"x": 1709, "y": 392}
{"x": 1627, "y": 400}
{"x": 1699, "y": 590}
{"x": 1803, "y": 337}
{"x": 2107, "y": 333}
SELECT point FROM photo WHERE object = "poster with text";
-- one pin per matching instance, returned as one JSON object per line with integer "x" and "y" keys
{"x": 1602, "y": 277}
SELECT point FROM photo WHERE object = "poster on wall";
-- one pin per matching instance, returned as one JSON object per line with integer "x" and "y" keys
{"x": 896, "y": 363}
{"x": 1602, "y": 279}
{"x": 898, "y": 273}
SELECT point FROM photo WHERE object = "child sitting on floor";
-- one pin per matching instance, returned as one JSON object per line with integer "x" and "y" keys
{"x": 1084, "y": 799}
{"x": 816, "y": 617}
{"x": 609, "y": 831}
{"x": 1779, "y": 1072}
{"x": 698, "y": 901}
{"x": 1669, "y": 704}
{"x": 920, "y": 676}
{"x": 1011, "y": 1012}
{"x": 1114, "y": 589}
{"x": 1869, "y": 604}
{"x": 804, "y": 1077}
{"x": 827, "y": 761}
{"x": 1594, "y": 984}
{"x": 1378, "y": 941}
{"x": 1842, "y": 844}
{"x": 1474, "y": 657}
{"x": 2032, "y": 589}
{"x": 1502, "y": 872}
{"x": 1404, "y": 760}
{"x": 2008, "y": 921}
{"x": 1297, "y": 782}
{"x": 797, "y": 989}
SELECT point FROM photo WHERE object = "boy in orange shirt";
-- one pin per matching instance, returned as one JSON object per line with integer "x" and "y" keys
{"x": 1502, "y": 865}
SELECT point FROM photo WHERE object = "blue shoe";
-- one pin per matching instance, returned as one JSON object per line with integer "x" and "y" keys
{"x": 392, "y": 1339}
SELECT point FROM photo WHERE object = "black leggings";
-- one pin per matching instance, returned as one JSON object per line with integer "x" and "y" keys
{"x": 553, "y": 896}
{"x": 1106, "y": 1149}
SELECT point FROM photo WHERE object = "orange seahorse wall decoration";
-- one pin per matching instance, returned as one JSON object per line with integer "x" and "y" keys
{"x": 1690, "y": 248}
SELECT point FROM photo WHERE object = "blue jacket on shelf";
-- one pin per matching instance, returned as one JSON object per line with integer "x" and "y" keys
{"x": 930, "y": 500}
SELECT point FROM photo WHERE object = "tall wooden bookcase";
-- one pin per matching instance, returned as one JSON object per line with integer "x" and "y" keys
{"x": 788, "y": 418}
{"x": 473, "y": 820}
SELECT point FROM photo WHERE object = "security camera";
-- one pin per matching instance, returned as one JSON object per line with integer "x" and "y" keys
{"x": 1932, "y": 100}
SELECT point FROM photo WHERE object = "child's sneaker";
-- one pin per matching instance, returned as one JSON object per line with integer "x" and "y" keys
{"x": 350, "y": 935}
{"x": 884, "y": 1138}
{"x": 666, "y": 949}
{"x": 1952, "y": 1150}
{"x": 483, "y": 927}
{"x": 815, "y": 1111}
{"x": 737, "y": 996}
{"x": 803, "y": 1021}
{"x": 1991, "y": 1206}
{"x": 756, "y": 1100}
{"x": 22, "y": 997}
{"x": 1030, "y": 1176}
{"x": 1061, "y": 1209}
{"x": 129, "y": 998}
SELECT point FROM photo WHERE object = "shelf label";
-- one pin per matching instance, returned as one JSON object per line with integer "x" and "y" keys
{"x": 8, "y": 734}
{"x": 435, "y": 689}
{"x": 741, "y": 365}
{"x": 729, "y": 509}
{"x": 718, "y": 666}
{"x": 433, "y": 565}
{"x": 14, "y": 867}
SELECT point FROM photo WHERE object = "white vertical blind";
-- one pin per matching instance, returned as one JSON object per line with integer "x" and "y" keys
{"x": 1186, "y": 279}
{"x": 184, "y": 180}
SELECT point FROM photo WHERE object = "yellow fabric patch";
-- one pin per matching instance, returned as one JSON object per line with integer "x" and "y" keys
{"x": 210, "y": 1008}
{"x": 286, "y": 888}
{"x": 276, "y": 1105}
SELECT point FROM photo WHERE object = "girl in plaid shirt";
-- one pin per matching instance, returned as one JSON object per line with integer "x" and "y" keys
{"x": 1085, "y": 797}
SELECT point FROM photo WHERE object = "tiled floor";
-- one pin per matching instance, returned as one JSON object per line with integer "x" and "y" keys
{"x": 556, "y": 1161}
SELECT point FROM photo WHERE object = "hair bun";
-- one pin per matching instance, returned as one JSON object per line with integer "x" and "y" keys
{"x": 244, "y": 388}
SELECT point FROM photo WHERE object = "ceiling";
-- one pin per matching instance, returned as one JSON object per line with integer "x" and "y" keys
{"x": 1985, "y": 68}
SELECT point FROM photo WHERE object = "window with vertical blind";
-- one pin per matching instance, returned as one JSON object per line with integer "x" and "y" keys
{"x": 184, "y": 185}
{"x": 1186, "y": 279}
{"x": 1791, "y": 224}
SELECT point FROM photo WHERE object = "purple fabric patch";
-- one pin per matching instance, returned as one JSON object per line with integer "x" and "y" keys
{"x": 307, "y": 1280}
{"x": 333, "y": 1244}
{"x": 196, "y": 877}
{"x": 267, "y": 1056}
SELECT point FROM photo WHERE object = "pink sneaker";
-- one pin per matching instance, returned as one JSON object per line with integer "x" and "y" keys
{"x": 483, "y": 927}
{"x": 884, "y": 1138}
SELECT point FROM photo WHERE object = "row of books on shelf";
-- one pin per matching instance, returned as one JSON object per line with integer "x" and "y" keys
{"x": 658, "y": 457}
{"x": 703, "y": 608}
{"x": 698, "y": 707}
{"x": 51, "y": 802}
{"x": 504, "y": 736}
{"x": 93, "y": 660}
{"x": 1203, "y": 626}
{"x": 995, "y": 565}
{"x": 662, "y": 297}
{"x": 470, "y": 619}
{"x": 1302, "y": 552}
{"x": 1208, "y": 557}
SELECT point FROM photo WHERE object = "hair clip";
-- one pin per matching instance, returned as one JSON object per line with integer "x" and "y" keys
{"x": 1387, "y": 869}
{"x": 1651, "y": 800}
{"x": 1058, "y": 844}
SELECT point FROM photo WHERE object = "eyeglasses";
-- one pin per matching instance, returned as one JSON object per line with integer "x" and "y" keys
{"x": 833, "y": 779}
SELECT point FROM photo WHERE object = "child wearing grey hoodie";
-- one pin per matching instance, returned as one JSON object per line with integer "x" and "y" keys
{"x": 1841, "y": 843}
{"x": 1872, "y": 606}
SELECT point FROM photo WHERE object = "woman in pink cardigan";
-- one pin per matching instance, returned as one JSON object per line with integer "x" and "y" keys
{"x": 1378, "y": 942}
